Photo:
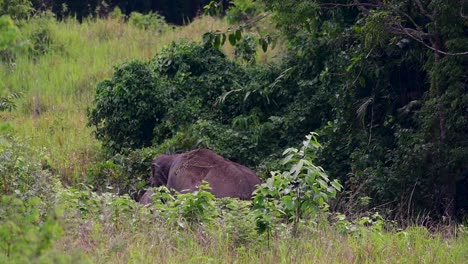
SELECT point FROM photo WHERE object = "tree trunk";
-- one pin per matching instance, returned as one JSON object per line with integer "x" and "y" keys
{"x": 448, "y": 188}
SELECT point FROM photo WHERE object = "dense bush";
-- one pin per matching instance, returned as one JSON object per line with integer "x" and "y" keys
{"x": 179, "y": 89}
{"x": 128, "y": 107}
{"x": 9, "y": 36}
{"x": 383, "y": 100}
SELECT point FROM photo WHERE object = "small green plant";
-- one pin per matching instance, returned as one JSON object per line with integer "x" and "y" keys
{"x": 304, "y": 189}
{"x": 237, "y": 220}
{"x": 8, "y": 101}
{"x": 41, "y": 36}
{"x": 372, "y": 223}
{"x": 117, "y": 14}
{"x": 8, "y": 32}
{"x": 195, "y": 208}
{"x": 150, "y": 21}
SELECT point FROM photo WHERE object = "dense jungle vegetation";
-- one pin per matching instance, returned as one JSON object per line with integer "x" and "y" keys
{"x": 353, "y": 113}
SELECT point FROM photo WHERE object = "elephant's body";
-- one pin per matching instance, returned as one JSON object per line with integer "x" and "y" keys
{"x": 184, "y": 173}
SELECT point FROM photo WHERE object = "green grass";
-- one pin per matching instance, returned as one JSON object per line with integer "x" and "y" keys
{"x": 163, "y": 244}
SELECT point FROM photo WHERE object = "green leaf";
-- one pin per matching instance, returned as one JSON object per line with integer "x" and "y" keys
{"x": 239, "y": 34}
{"x": 336, "y": 184}
{"x": 223, "y": 38}
{"x": 264, "y": 43}
{"x": 287, "y": 159}
{"x": 207, "y": 38}
{"x": 217, "y": 41}
{"x": 232, "y": 39}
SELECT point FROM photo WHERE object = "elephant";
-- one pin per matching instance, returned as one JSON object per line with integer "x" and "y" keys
{"x": 184, "y": 172}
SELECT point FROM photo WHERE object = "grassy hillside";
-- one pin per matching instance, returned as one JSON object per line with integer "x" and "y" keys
{"x": 57, "y": 87}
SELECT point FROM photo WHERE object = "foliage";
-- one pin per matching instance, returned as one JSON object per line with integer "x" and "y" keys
{"x": 41, "y": 36}
{"x": 22, "y": 172}
{"x": 175, "y": 11}
{"x": 243, "y": 10}
{"x": 123, "y": 173}
{"x": 302, "y": 190}
{"x": 193, "y": 208}
{"x": 183, "y": 81}
{"x": 8, "y": 32}
{"x": 238, "y": 221}
{"x": 246, "y": 48}
{"x": 16, "y": 9}
{"x": 127, "y": 107}
{"x": 117, "y": 14}
{"x": 151, "y": 21}
{"x": 9, "y": 35}
{"x": 7, "y": 101}
{"x": 371, "y": 72}
{"x": 25, "y": 234}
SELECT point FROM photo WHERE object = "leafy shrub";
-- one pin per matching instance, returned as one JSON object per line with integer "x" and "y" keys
{"x": 150, "y": 21}
{"x": 237, "y": 220}
{"x": 117, "y": 14}
{"x": 194, "y": 208}
{"x": 17, "y": 9}
{"x": 25, "y": 234}
{"x": 123, "y": 173}
{"x": 9, "y": 35}
{"x": 22, "y": 173}
{"x": 128, "y": 107}
{"x": 303, "y": 189}
{"x": 8, "y": 32}
{"x": 39, "y": 31}
{"x": 144, "y": 103}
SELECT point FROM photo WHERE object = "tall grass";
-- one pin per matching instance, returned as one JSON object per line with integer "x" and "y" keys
{"x": 58, "y": 86}
{"x": 163, "y": 244}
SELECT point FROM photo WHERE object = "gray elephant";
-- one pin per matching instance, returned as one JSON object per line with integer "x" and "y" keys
{"x": 184, "y": 173}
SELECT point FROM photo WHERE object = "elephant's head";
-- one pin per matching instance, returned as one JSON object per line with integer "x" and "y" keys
{"x": 160, "y": 170}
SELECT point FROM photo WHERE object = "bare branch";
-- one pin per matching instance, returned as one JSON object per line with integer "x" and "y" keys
{"x": 462, "y": 6}
{"x": 417, "y": 34}
{"x": 408, "y": 33}
{"x": 423, "y": 10}
{"x": 355, "y": 4}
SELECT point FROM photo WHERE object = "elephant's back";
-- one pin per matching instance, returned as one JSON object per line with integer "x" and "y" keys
{"x": 226, "y": 178}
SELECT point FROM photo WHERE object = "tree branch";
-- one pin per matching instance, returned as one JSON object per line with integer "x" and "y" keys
{"x": 423, "y": 10}
{"x": 417, "y": 34}
{"x": 407, "y": 33}
{"x": 462, "y": 5}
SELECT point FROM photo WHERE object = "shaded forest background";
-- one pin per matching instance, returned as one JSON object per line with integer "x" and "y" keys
{"x": 175, "y": 11}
